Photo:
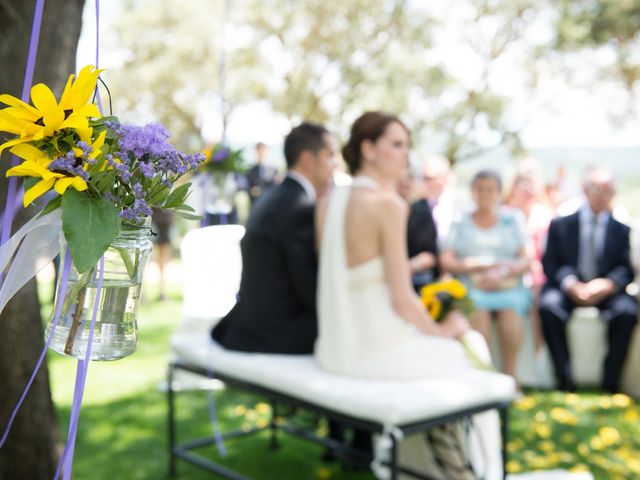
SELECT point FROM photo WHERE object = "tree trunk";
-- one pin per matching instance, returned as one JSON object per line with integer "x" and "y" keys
{"x": 30, "y": 452}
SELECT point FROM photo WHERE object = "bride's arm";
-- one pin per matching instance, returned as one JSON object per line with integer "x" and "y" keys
{"x": 392, "y": 218}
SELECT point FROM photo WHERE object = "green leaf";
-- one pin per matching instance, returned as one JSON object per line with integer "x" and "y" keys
{"x": 157, "y": 195}
{"x": 51, "y": 206}
{"x": 90, "y": 225}
{"x": 187, "y": 215}
{"x": 177, "y": 197}
{"x": 104, "y": 181}
{"x": 185, "y": 207}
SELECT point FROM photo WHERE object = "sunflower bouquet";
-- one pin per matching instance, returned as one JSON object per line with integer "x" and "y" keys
{"x": 101, "y": 177}
{"x": 104, "y": 172}
{"x": 220, "y": 159}
{"x": 440, "y": 298}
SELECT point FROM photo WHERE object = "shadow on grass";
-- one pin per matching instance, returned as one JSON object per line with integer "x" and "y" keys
{"x": 127, "y": 438}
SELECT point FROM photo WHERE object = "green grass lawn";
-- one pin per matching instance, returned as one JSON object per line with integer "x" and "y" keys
{"x": 122, "y": 430}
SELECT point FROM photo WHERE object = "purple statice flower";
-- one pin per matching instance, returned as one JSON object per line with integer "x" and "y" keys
{"x": 147, "y": 169}
{"x": 192, "y": 160}
{"x": 221, "y": 155}
{"x": 137, "y": 142}
{"x": 69, "y": 164}
{"x": 86, "y": 149}
{"x": 140, "y": 207}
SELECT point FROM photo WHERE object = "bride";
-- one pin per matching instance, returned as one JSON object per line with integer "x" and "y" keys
{"x": 371, "y": 323}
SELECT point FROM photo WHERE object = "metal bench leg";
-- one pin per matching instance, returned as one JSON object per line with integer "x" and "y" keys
{"x": 504, "y": 417}
{"x": 394, "y": 458}
{"x": 171, "y": 424}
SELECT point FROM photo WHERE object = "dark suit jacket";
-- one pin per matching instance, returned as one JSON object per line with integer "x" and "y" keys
{"x": 422, "y": 235}
{"x": 263, "y": 177}
{"x": 560, "y": 258}
{"x": 276, "y": 308}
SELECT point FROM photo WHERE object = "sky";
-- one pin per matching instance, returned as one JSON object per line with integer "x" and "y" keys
{"x": 558, "y": 116}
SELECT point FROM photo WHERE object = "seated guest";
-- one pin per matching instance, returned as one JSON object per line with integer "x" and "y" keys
{"x": 487, "y": 248}
{"x": 586, "y": 262}
{"x": 276, "y": 308}
{"x": 526, "y": 195}
{"x": 422, "y": 243}
{"x": 440, "y": 191}
{"x": 405, "y": 186}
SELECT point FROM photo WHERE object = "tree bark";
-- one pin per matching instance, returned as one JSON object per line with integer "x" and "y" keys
{"x": 30, "y": 452}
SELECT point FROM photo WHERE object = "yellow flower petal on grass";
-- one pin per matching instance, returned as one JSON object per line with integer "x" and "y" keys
{"x": 583, "y": 450}
{"x": 513, "y": 466}
{"x": 580, "y": 467}
{"x": 324, "y": 473}
{"x": 525, "y": 403}
{"x": 621, "y": 400}
{"x": 609, "y": 435}
{"x": 564, "y": 416}
{"x": 542, "y": 430}
{"x": 546, "y": 446}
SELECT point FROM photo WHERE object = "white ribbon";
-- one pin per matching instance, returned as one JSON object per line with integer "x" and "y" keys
{"x": 382, "y": 451}
{"x": 39, "y": 237}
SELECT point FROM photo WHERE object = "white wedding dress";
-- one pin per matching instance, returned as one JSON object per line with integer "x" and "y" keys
{"x": 359, "y": 334}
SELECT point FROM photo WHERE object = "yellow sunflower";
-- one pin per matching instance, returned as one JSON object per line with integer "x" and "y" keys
{"x": 36, "y": 165}
{"x": 47, "y": 116}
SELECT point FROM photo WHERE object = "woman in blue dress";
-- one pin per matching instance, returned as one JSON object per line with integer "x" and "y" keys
{"x": 489, "y": 250}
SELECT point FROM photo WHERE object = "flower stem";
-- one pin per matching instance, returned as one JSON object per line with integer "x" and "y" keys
{"x": 126, "y": 259}
{"x": 77, "y": 297}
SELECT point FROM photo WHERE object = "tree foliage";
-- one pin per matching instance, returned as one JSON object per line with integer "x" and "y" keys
{"x": 329, "y": 61}
{"x": 604, "y": 23}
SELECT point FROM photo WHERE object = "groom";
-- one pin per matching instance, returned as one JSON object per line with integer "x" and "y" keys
{"x": 276, "y": 308}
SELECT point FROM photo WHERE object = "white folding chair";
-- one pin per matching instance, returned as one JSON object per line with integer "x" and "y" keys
{"x": 212, "y": 266}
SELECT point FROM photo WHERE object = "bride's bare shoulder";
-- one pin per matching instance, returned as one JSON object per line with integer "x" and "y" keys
{"x": 389, "y": 203}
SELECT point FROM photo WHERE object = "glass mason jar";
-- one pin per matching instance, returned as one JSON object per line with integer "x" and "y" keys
{"x": 115, "y": 333}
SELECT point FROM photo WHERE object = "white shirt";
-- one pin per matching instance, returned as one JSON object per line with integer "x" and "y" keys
{"x": 304, "y": 183}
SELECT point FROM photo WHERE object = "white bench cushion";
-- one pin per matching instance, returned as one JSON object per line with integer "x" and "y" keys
{"x": 387, "y": 402}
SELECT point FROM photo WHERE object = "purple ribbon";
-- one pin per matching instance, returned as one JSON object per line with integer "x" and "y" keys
{"x": 98, "y": 53}
{"x": 63, "y": 287}
{"x": 81, "y": 377}
{"x": 8, "y": 214}
{"x": 82, "y": 369}
{"x": 213, "y": 412}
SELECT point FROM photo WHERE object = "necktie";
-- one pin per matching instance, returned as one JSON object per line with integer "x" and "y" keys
{"x": 590, "y": 254}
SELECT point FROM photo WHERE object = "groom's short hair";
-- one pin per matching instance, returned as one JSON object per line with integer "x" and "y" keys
{"x": 306, "y": 136}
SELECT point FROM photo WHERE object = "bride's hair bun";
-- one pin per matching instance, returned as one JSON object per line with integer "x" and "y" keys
{"x": 351, "y": 157}
{"x": 369, "y": 126}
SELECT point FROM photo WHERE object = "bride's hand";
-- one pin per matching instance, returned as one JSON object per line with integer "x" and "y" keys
{"x": 454, "y": 325}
